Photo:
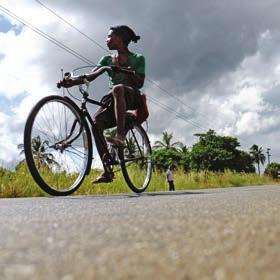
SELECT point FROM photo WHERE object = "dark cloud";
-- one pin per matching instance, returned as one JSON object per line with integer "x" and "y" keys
{"x": 191, "y": 42}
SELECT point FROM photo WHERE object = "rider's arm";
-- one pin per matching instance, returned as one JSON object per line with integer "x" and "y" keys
{"x": 96, "y": 72}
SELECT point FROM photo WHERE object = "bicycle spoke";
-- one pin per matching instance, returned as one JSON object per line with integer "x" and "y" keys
{"x": 80, "y": 155}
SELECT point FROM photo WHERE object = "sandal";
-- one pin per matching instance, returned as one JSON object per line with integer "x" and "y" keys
{"x": 105, "y": 177}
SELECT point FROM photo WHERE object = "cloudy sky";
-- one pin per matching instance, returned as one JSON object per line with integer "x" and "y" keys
{"x": 209, "y": 63}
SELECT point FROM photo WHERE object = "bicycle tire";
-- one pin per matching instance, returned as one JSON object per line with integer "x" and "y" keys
{"x": 137, "y": 165}
{"x": 46, "y": 165}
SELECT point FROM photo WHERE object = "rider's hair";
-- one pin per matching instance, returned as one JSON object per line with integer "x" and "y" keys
{"x": 126, "y": 33}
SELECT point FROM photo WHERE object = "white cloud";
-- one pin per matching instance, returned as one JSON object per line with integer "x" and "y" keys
{"x": 18, "y": 71}
{"x": 9, "y": 136}
{"x": 3, "y": 118}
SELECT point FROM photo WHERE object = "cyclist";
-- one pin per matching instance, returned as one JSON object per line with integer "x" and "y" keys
{"x": 124, "y": 90}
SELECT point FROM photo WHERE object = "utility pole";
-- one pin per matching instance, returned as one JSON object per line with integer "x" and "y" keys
{"x": 268, "y": 155}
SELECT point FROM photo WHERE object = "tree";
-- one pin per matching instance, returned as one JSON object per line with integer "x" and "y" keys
{"x": 217, "y": 153}
{"x": 165, "y": 157}
{"x": 273, "y": 170}
{"x": 166, "y": 142}
{"x": 257, "y": 155}
{"x": 182, "y": 148}
{"x": 166, "y": 152}
{"x": 42, "y": 158}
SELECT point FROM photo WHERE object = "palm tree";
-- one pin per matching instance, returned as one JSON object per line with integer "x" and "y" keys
{"x": 41, "y": 157}
{"x": 166, "y": 143}
{"x": 258, "y": 156}
{"x": 182, "y": 148}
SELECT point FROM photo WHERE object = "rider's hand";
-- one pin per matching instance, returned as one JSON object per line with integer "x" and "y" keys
{"x": 65, "y": 83}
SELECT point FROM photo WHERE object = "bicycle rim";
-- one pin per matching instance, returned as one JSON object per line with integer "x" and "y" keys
{"x": 136, "y": 159}
{"x": 57, "y": 147}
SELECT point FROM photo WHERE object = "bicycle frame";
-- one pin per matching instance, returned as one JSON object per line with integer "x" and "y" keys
{"x": 85, "y": 118}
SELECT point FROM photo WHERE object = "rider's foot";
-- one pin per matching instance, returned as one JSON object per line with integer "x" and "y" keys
{"x": 105, "y": 177}
{"x": 117, "y": 140}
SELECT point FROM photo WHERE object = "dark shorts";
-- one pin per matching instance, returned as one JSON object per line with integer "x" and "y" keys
{"x": 105, "y": 117}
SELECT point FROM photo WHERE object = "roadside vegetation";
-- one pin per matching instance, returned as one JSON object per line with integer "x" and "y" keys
{"x": 19, "y": 183}
{"x": 213, "y": 162}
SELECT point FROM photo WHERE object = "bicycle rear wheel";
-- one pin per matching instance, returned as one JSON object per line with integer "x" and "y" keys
{"x": 57, "y": 145}
{"x": 136, "y": 159}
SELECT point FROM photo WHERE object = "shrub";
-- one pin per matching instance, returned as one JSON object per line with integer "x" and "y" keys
{"x": 272, "y": 170}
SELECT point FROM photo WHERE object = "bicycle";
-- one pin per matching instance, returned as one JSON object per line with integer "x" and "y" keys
{"x": 59, "y": 148}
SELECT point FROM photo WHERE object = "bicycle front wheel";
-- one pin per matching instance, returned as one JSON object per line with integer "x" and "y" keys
{"x": 136, "y": 159}
{"x": 57, "y": 145}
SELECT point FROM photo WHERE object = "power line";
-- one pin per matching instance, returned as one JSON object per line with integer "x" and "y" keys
{"x": 171, "y": 110}
{"x": 170, "y": 94}
{"x": 99, "y": 45}
{"x": 48, "y": 37}
{"x": 86, "y": 60}
{"x": 72, "y": 25}
{"x": 91, "y": 63}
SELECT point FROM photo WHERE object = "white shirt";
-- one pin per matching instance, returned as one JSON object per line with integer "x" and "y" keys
{"x": 169, "y": 175}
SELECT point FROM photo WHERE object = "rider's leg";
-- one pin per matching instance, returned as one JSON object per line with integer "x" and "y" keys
{"x": 118, "y": 92}
{"x": 101, "y": 145}
{"x": 125, "y": 98}
{"x": 103, "y": 119}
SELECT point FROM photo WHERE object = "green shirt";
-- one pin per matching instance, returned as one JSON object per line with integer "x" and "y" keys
{"x": 136, "y": 61}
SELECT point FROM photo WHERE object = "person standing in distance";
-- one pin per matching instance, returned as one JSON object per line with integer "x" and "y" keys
{"x": 170, "y": 178}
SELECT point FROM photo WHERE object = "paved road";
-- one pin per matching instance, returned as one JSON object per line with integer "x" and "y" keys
{"x": 205, "y": 234}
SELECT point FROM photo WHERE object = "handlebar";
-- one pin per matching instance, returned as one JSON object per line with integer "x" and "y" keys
{"x": 67, "y": 76}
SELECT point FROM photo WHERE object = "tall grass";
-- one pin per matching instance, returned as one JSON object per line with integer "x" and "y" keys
{"x": 19, "y": 183}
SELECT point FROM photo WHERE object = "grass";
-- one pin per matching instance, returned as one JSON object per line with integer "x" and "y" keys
{"x": 19, "y": 183}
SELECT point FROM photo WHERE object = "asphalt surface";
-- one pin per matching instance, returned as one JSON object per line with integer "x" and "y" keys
{"x": 205, "y": 234}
